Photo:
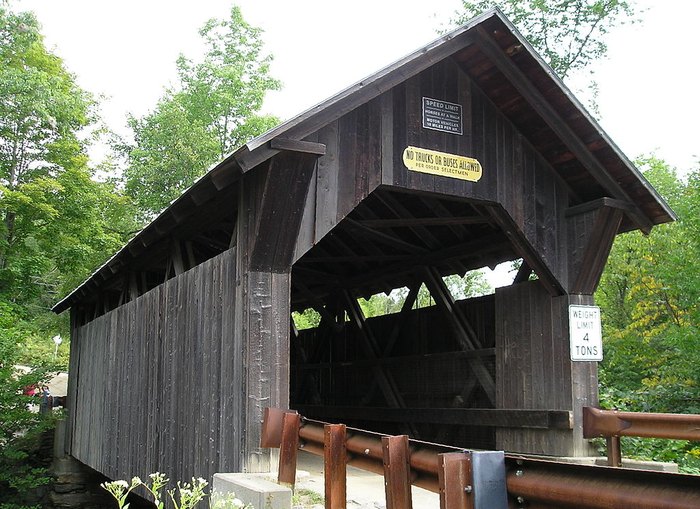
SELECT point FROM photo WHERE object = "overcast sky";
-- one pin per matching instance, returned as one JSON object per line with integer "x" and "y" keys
{"x": 126, "y": 51}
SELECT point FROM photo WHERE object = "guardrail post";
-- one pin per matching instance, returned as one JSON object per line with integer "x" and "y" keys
{"x": 614, "y": 451}
{"x": 397, "y": 472}
{"x": 289, "y": 446}
{"x": 455, "y": 479}
{"x": 334, "y": 461}
{"x": 273, "y": 418}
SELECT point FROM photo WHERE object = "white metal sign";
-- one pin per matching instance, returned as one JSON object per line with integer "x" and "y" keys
{"x": 585, "y": 334}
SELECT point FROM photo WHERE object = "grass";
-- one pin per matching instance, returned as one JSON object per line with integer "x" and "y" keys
{"x": 303, "y": 499}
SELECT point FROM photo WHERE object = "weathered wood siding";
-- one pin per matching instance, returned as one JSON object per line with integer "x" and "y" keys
{"x": 534, "y": 370}
{"x": 364, "y": 150}
{"x": 157, "y": 384}
{"x": 425, "y": 362}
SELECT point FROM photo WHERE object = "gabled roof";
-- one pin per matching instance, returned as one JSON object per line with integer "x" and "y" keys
{"x": 509, "y": 71}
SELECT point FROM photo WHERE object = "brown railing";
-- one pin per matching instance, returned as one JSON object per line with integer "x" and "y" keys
{"x": 613, "y": 424}
{"x": 529, "y": 482}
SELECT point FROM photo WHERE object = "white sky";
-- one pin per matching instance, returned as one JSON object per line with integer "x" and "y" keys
{"x": 126, "y": 50}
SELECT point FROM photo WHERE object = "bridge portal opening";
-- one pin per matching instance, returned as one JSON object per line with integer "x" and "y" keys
{"x": 388, "y": 333}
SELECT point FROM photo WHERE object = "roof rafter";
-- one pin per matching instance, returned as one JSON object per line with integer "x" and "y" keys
{"x": 531, "y": 94}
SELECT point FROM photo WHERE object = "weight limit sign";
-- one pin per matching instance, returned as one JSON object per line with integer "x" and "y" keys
{"x": 585, "y": 334}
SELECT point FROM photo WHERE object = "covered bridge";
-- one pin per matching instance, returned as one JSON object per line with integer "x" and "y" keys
{"x": 467, "y": 153}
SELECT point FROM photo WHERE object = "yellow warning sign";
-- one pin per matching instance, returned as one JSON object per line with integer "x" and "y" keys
{"x": 441, "y": 163}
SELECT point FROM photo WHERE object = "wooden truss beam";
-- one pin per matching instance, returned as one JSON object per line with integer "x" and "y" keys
{"x": 523, "y": 273}
{"x": 384, "y": 238}
{"x": 591, "y": 235}
{"x": 526, "y": 251}
{"x": 372, "y": 350}
{"x": 403, "y": 214}
{"x": 467, "y": 338}
{"x": 395, "y": 332}
{"x": 412, "y": 222}
{"x": 496, "y": 417}
{"x": 482, "y": 245}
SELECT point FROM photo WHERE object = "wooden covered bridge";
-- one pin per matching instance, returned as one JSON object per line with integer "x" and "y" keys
{"x": 467, "y": 153}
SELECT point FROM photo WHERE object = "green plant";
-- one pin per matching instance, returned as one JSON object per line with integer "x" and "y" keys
{"x": 306, "y": 498}
{"x": 120, "y": 490}
{"x": 186, "y": 496}
{"x": 21, "y": 427}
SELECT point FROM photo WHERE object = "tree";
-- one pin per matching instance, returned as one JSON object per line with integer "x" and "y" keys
{"x": 650, "y": 295}
{"x": 56, "y": 222}
{"x": 20, "y": 427}
{"x": 569, "y": 34}
{"x": 41, "y": 109}
{"x": 213, "y": 111}
{"x": 650, "y": 300}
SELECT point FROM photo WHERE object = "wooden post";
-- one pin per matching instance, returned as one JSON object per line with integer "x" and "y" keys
{"x": 534, "y": 369}
{"x": 455, "y": 478}
{"x": 288, "y": 449}
{"x": 397, "y": 472}
{"x": 334, "y": 461}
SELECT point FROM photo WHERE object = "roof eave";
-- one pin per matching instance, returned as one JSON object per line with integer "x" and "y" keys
{"x": 588, "y": 117}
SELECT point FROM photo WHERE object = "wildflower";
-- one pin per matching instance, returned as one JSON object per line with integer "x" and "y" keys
{"x": 120, "y": 490}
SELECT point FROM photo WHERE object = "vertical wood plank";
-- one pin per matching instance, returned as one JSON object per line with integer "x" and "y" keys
{"x": 387, "y": 137}
{"x": 327, "y": 175}
{"x": 149, "y": 397}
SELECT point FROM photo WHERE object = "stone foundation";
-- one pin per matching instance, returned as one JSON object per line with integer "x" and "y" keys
{"x": 75, "y": 485}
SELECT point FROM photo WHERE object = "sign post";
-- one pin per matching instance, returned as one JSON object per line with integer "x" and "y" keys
{"x": 585, "y": 336}
{"x": 57, "y": 339}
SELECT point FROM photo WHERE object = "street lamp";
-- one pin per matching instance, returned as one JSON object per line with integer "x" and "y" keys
{"x": 58, "y": 340}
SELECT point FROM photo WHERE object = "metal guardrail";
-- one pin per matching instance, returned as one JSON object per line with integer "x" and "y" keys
{"x": 613, "y": 424}
{"x": 449, "y": 471}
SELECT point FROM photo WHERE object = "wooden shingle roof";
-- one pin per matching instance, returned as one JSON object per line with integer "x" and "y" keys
{"x": 499, "y": 60}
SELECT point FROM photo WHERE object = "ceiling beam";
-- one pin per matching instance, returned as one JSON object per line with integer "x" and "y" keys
{"x": 423, "y": 221}
{"x": 382, "y": 237}
{"x": 401, "y": 213}
{"x": 464, "y": 251}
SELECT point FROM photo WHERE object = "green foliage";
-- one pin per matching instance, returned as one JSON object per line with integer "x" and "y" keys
{"x": 20, "y": 427}
{"x": 187, "y": 495}
{"x": 383, "y": 304}
{"x": 56, "y": 222}
{"x": 213, "y": 111}
{"x": 306, "y": 498}
{"x": 308, "y": 319}
{"x": 650, "y": 298}
{"x": 682, "y": 452}
{"x": 473, "y": 284}
{"x": 650, "y": 294}
{"x": 569, "y": 34}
